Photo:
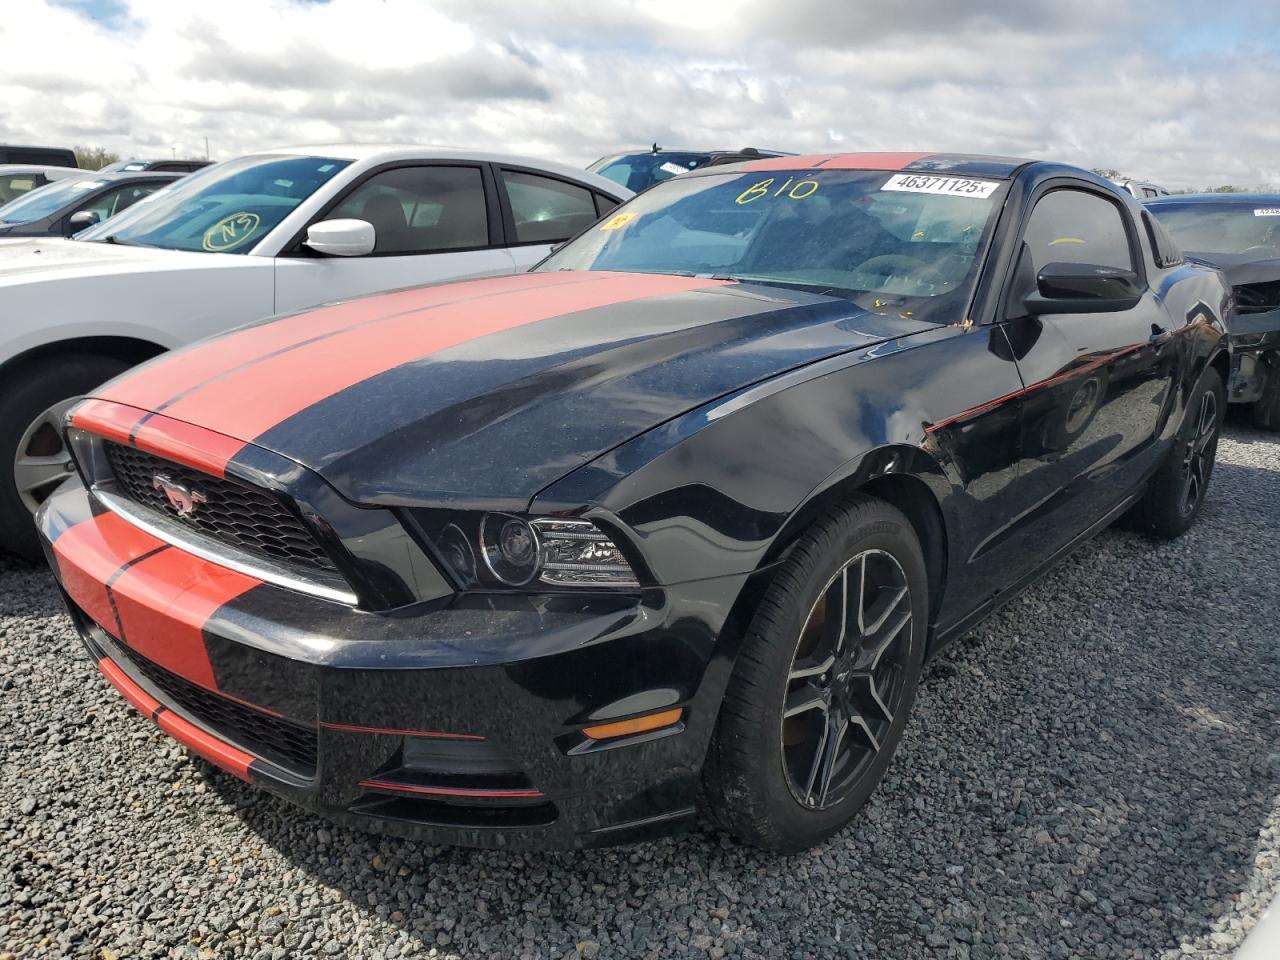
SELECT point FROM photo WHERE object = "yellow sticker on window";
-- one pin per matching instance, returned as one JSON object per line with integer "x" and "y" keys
{"x": 617, "y": 222}
{"x": 230, "y": 231}
{"x": 1061, "y": 240}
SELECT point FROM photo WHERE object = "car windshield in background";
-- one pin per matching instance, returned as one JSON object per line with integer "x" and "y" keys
{"x": 892, "y": 242}
{"x": 1252, "y": 227}
{"x": 225, "y": 208}
{"x": 46, "y": 200}
{"x": 640, "y": 171}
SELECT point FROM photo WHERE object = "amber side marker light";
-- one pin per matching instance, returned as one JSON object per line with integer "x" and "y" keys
{"x": 622, "y": 728}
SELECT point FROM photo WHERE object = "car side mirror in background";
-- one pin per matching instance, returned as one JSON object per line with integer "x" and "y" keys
{"x": 82, "y": 219}
{"x": 1082, "y": 288}
{"x": 341, "y": 238}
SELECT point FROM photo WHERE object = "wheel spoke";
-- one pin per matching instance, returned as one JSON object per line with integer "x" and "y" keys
{"x": 806, "y": 697}
{"x": 32, "y": 474}
{"x": 869, "y": 706}
{"x": 873, "y": 648}
{"x": 833, "y": 740}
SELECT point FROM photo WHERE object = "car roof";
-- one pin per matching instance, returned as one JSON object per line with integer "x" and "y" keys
{"x": 955, "y": 164}
{"x": 1245, "y": 199}
{"x": 7, "y": 168}
{"x": 374, "y": 153}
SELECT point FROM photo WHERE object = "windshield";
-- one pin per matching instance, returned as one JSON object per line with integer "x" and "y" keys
{"x": 1252, "y": 227}
{"x": 640, "y": 171}
{"x": 47, "y": 200}
{"x": 226, "y": 208}
{"x": 893, "y": 242}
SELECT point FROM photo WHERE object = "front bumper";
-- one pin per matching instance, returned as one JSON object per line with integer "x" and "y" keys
{"x": 458, "y": 721}
{"x": 1255, "y": 355}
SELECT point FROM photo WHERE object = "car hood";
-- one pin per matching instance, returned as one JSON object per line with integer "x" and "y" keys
{"x": 39, "y": 259}
{"x": 486, "y": 391}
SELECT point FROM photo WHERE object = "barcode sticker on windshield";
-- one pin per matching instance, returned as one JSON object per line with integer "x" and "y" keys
{"x": 950, "y": 186}
{"x": 1267, "y": 212}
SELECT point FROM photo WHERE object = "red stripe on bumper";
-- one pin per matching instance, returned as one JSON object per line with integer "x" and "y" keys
{"x": 391, "y": 786}
{"x": 90, "y": 553}
{"x": 431, "y": 734}
{"x": 142, "y": 701}
{"x": 217, "y": 752}
{"x": 164, "y": 602}
{"x": 248, "y": 402}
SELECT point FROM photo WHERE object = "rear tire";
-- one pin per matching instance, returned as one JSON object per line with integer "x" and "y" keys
{"x": 30, "y": 407}
{"x": 824, "y": 682}
{"x": 1176, "y": 493}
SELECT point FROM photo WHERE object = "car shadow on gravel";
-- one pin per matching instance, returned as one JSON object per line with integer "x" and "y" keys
{"x": 1086, "y": 774}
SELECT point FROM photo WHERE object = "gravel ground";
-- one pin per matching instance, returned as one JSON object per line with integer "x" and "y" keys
{"x": 1092, "y": 773}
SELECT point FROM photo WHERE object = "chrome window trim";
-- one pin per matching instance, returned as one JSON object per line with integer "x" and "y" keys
{"x": 177, "y": 534}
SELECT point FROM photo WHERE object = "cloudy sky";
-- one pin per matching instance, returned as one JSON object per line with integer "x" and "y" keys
{"x": 1185, "y": 93}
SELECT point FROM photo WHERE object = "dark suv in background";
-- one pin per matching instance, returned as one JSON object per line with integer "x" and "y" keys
{"x": 38, "y": 156}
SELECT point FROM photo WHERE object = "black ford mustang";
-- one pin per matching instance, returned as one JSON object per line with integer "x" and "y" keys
{"x": 552, "y": 559}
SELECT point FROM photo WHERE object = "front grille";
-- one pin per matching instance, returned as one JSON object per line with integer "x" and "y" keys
{"x": 232, "y": 512}
{"x": 280, "y": 741}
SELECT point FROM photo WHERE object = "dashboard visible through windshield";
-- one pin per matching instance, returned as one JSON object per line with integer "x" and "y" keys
{"x": 903, "y": 242}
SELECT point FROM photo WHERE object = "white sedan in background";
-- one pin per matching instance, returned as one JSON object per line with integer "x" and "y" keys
{"x": 268, "y": 233}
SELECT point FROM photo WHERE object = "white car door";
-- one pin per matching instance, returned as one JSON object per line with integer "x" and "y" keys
{"x": 432, "y": 222}
{"x": 545, "y": 211}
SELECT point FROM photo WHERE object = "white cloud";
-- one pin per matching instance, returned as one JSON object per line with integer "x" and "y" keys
{"x": 1160, "y": 92}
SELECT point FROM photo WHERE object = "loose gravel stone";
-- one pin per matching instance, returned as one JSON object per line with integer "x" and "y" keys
{"x": 1091, "y": 773}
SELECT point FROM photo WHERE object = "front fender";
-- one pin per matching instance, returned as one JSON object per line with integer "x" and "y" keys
{"x": 715, "y": 491}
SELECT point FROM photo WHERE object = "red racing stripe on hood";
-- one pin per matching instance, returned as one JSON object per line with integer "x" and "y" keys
{"x": 247, "y": 402}
{"x": 172, "y": 439}
{"x": 172, "y": 374}
{"x": 839, "y": 161}
{"x": 164, "y": 602}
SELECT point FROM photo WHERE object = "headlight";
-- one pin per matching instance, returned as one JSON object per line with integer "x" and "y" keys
{"x": 508, "y": 550}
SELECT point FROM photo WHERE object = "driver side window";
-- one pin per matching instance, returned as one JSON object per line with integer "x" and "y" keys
{"x": 1073, "y": 226}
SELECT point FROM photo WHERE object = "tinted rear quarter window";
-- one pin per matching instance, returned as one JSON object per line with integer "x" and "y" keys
{"x": 547, "y": 210}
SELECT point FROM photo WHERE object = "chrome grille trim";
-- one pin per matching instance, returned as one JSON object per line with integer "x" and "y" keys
{"x": 317, "y": 583}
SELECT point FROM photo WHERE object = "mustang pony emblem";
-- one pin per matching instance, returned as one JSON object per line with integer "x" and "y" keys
{"x": 183, "y": 499}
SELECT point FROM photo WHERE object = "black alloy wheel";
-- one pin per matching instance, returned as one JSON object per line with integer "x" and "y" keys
{"x": 823, "y": 683}
{"x": 1201, "y": 451}
{"x": 1176, "y": 494}
{"x": 846, "y": 681}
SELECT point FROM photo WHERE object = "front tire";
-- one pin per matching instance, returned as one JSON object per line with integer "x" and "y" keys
{"x": 1176, "y": 493}
{"x": 33, "y": 458}
{"x": 824, "y": 682}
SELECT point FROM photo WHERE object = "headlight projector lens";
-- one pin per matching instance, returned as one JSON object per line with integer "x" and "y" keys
{"x": 511, "y": 548}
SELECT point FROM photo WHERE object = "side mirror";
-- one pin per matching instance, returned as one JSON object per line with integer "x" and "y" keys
{"x": 1082, "y": 288}
{"x": 82, "y": 219}
{"x": 341, "y": 238}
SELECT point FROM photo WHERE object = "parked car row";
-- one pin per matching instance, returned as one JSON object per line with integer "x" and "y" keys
{"x": 262, "y": 234}
{"x": 556, "y": 557}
